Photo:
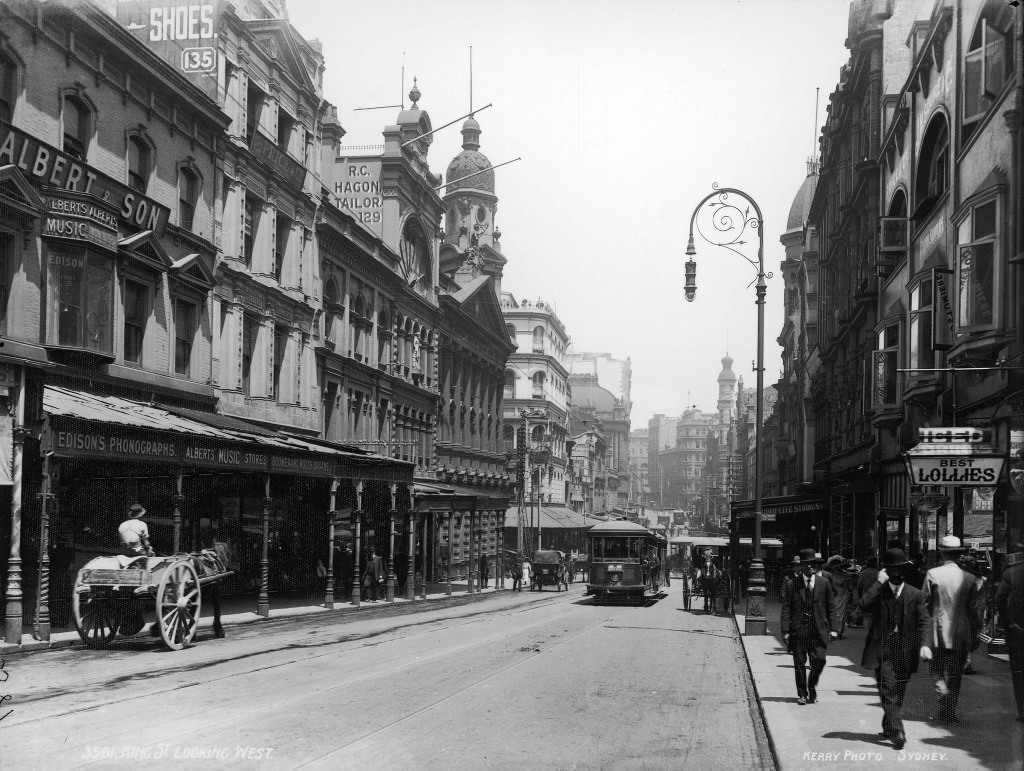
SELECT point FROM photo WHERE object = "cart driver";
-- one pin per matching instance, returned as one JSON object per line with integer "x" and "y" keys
{"x": 134, "y": 533}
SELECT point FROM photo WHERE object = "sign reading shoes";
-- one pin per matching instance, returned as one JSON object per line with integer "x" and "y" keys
{"x": 956, "y": 456}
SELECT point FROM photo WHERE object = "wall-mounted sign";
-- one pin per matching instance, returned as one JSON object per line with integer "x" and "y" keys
{"x": 289, "y": 168}
{"x": 46, "y": 165}
{"x": 183, "y": 34}
{"x": 357, "y": 190}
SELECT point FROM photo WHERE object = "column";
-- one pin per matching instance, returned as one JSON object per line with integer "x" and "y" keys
{"x": 448, "y": 573}
{"x": 499, "y": 517}
{"x": 263, "y": 601}
{"x": 427, "y": 520}
{"x": 392, "y": 523}
{"x": 329, "y": 594}
{"x": 469, "y": 555}
{"x": 179, "y": 501}
{"x": 357, "y": 520}
{"x": 42, "y": 619}
{"x": 411, "y": 523}
{"x": 14, "y": 598}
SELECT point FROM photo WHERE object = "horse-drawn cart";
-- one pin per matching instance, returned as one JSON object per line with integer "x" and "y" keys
{"x": 120, "y": 594}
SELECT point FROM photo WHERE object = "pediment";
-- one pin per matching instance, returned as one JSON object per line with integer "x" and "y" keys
{"x": 144, "y": 247}
{"x": 284, "y": 49}
{"x": 479, "y": 302}
{"x": 17, "y": 193}
{"x": 193, "y": 270}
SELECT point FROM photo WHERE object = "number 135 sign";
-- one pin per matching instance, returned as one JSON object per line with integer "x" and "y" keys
{"x": 199, "y": 60}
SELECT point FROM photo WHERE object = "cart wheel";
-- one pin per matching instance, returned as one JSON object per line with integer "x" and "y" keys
{"x": 177, "y": 605}
{"x": 95, "y": 617}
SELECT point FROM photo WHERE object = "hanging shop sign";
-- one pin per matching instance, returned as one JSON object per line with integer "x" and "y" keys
{"x": 959, "y": 456}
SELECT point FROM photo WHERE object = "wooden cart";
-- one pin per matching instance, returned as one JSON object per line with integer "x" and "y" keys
{"x": 109, "y": 599}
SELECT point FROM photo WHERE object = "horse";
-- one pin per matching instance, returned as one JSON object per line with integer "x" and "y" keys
{"x": 214, "y": 562}
{"x": 710, "y": 576}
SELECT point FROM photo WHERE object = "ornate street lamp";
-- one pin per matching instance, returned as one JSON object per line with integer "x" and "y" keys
{"x": 730, "y": 224}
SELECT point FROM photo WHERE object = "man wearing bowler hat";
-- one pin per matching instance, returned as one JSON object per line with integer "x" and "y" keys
{"x": 952, "y": 602}
{"x": 894, "y": 645}
{"x": 808, "y": 623}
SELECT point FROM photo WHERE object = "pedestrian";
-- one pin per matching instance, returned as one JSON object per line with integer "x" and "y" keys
{"x": 343, "y": 568}
{"x": 134, "y": 534}
{"x": 1010, "y": 603}
{"x": 374, "y": 575}
{"x": 485, "y": 571}
{"x": 952, "y": 603}
{"x": 837, "y": 575}
{"x": 516, "y": 569}
{"x": 895, "y": 641}
{"x": 808, "y": 623}
{"x": 970, "y": 564}
{"x": 527, "y": 572}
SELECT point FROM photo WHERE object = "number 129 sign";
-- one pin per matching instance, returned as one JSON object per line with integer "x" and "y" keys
{"x": 199, "y": 60}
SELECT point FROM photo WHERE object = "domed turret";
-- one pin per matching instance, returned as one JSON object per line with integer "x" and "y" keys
{"x": 470, "y": 160}
{"x": 802, "y": 202}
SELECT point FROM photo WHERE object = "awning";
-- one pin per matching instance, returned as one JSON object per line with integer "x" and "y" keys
{"x": 552, "y": 518}
{"x": 85, "y": 425}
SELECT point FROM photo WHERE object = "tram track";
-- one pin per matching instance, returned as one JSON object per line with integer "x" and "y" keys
{"x": 157, "y": 732}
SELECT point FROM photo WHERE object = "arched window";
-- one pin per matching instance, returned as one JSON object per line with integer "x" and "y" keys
{"x": 77, "y": 120}
{"x": 188, "y": 196}
{"x": 384, "y": 338}
{"x": 9, "y": 89}
{"x": 510, "y": 330}
{"x": 415, "y": 254}
{"x": 509, "y": 391}
{"x": 933, "y": 167}
{"x": 538, "y": 339}
{"x": 539, "y": 379}
{"x": 139, "y": 163}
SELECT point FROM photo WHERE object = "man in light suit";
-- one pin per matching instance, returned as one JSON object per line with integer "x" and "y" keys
{"x": 808, "y": 623}
{"x": 952, "y": 602}
{"x": 899, "y": 623}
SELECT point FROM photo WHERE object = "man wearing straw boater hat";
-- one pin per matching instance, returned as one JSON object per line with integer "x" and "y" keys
{"x": 899, "y": 624}
{"x": 807, "y": 623}
{"x": 952, "y": 594}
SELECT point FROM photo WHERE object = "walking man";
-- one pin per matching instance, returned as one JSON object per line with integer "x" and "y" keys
{"x": 951, "y": 594}
{"x": 899, "y": 624}
{"x": 1010, "y": 602}
{"x": 808, "y": 623}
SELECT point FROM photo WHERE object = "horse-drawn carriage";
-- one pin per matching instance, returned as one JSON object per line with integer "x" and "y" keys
{"x": 549, "y": 568}
{"x": 120, "y": 594}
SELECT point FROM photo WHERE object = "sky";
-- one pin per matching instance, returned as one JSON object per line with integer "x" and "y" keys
{"x": 624, "y": 114}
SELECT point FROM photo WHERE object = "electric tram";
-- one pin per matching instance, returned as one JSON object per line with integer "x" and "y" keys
{"x": 626, "y": 562}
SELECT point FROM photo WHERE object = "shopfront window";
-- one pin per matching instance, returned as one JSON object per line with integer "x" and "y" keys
{"x": 80, "y": 298}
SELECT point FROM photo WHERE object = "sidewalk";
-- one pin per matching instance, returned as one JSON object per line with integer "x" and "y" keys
{"x": 843, "y": 730}
{"x": 241, "y": 609}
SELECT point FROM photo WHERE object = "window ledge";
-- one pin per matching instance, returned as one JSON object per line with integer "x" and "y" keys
{"x": 978, "y": 342}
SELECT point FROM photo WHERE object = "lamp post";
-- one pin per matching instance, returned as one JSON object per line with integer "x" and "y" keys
{"x": 730, "y": 224}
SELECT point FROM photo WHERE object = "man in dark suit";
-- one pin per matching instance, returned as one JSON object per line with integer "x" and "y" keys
{"x": 1010, "y": 602}
{"x": 899, "y": 626}
{"x": 808, "y": 623}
